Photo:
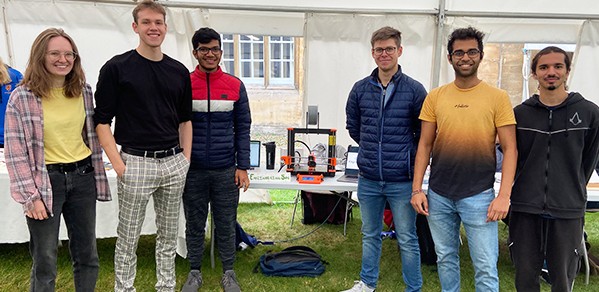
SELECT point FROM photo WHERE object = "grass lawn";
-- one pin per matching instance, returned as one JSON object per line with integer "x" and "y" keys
{"x": 271, "y": 222}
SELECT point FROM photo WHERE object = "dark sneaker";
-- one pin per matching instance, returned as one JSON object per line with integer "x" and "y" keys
{"x": 545, "y": 276}
{"x": 229, "y": 282}
{"x": 193, "y": 283}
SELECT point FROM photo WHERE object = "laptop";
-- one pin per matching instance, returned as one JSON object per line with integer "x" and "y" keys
{"x": 254, "y": 154}
{"x": 351, "y": 166}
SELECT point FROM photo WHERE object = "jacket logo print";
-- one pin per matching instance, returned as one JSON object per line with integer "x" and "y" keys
{"x": 575, "y": 119}
{"x": 224, "y": 96}
{"x": 461, "y": 105}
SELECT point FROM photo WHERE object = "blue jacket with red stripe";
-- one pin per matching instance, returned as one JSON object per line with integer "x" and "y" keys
{"x": 221, "y": 121}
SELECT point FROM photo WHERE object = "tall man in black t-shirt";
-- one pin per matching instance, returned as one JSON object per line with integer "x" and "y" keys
{"x": 149, "y": 94}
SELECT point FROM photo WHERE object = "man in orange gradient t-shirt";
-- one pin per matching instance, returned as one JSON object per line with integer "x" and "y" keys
{"x": 459, "y": 123}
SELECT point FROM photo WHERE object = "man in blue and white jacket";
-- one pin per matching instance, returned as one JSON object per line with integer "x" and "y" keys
{"x": 382, "y": 117}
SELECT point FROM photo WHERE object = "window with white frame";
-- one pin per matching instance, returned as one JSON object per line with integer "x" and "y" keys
{"x": 260, "y": 60}
{"x": 228, "y": 59}
{"x": 281, "y": 60}
{"x": 251, "y": 52}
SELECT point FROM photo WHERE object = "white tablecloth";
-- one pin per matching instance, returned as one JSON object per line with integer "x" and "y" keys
{"x": 13, "y": 227}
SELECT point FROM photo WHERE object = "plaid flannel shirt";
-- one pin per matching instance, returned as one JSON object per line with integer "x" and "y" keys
{"x": 24, "y": 149}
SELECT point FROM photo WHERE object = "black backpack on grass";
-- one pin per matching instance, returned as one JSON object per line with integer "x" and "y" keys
{"x": 294, "y": 261}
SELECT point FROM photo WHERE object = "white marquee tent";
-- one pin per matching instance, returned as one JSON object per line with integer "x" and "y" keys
{"x": 336, "y": 33}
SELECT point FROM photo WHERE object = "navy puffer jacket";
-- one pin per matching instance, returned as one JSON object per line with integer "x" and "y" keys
{"x": 387, "y": 131}
{"x": 221, "y": 121}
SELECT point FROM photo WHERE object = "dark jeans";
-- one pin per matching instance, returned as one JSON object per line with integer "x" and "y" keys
{"x": 74, "y": 195}
{"x": 218, "y": 188}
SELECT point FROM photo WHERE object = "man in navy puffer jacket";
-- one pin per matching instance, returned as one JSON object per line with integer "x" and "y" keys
{"x": 382, "y": 117}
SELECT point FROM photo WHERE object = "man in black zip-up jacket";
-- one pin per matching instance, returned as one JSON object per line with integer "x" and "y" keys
{"x": 558, "y": 143}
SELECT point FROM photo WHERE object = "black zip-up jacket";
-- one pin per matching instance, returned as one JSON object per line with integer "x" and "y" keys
{"x": 557, "y": 153}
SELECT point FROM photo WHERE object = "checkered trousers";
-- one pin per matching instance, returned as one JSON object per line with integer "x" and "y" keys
{"x": 162, "y": 179}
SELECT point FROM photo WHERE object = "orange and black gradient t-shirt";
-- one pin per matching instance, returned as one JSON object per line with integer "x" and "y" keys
{"x": 463, "y": 160}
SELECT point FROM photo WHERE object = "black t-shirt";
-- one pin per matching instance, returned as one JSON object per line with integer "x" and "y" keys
{"x": 149, "y": 100}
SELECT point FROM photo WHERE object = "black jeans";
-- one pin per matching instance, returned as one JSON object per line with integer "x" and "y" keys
{"x": 74, "y": 195}
{"x": 218, "y": 188}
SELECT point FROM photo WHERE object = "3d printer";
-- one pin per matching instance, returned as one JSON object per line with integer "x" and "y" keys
{"x": 308, "y": 168}
{"x": 311, "y": 164}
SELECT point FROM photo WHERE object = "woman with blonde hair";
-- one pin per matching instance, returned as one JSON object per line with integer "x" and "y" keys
{"x": 54, "y": 159}
{"x": 9, "y": 79}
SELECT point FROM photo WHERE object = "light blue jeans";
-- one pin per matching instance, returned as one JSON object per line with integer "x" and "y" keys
{"x": 372, "y": 196}
{"x": 445, "y": 216}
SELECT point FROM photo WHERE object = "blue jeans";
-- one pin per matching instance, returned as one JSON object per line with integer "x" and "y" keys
{"x": 74, "y": 195}
{"x": 445, "y": 216}
{"x": 372, "y": 196}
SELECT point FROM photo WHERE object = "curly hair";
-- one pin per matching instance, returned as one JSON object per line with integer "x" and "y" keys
{"x": 204, "y": 35}
{"x": 468, "y": 33}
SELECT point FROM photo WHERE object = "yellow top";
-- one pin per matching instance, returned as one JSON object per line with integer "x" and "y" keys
{"x": 464, "y": 149}
{"x": 63, "y": 128}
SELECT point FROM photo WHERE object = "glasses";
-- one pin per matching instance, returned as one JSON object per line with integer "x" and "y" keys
{"x": 471, "y": 53}
{"x": 388, "y": 50}
{"x": 55, "y": 55}
{"x": 205, "y": 50}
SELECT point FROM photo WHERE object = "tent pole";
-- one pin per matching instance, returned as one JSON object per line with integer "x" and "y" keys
{"x": 438, "y": 46}
{"x": 513, "y": 15}
{"x": 9, "y": 46}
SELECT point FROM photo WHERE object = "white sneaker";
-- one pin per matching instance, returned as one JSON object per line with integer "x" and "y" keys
{"x": 359, "y": 286}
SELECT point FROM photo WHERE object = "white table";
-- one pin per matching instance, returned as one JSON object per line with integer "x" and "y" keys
{"x": 593, "y": 196}
{"x": 329, "y": 185}
{"x": 13, "y": 226}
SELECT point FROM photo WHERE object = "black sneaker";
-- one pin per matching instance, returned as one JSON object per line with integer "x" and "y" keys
{"x": 545, "y": 276}
{"x": 194, "y": 281}
{"x": 229, "y": 282}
